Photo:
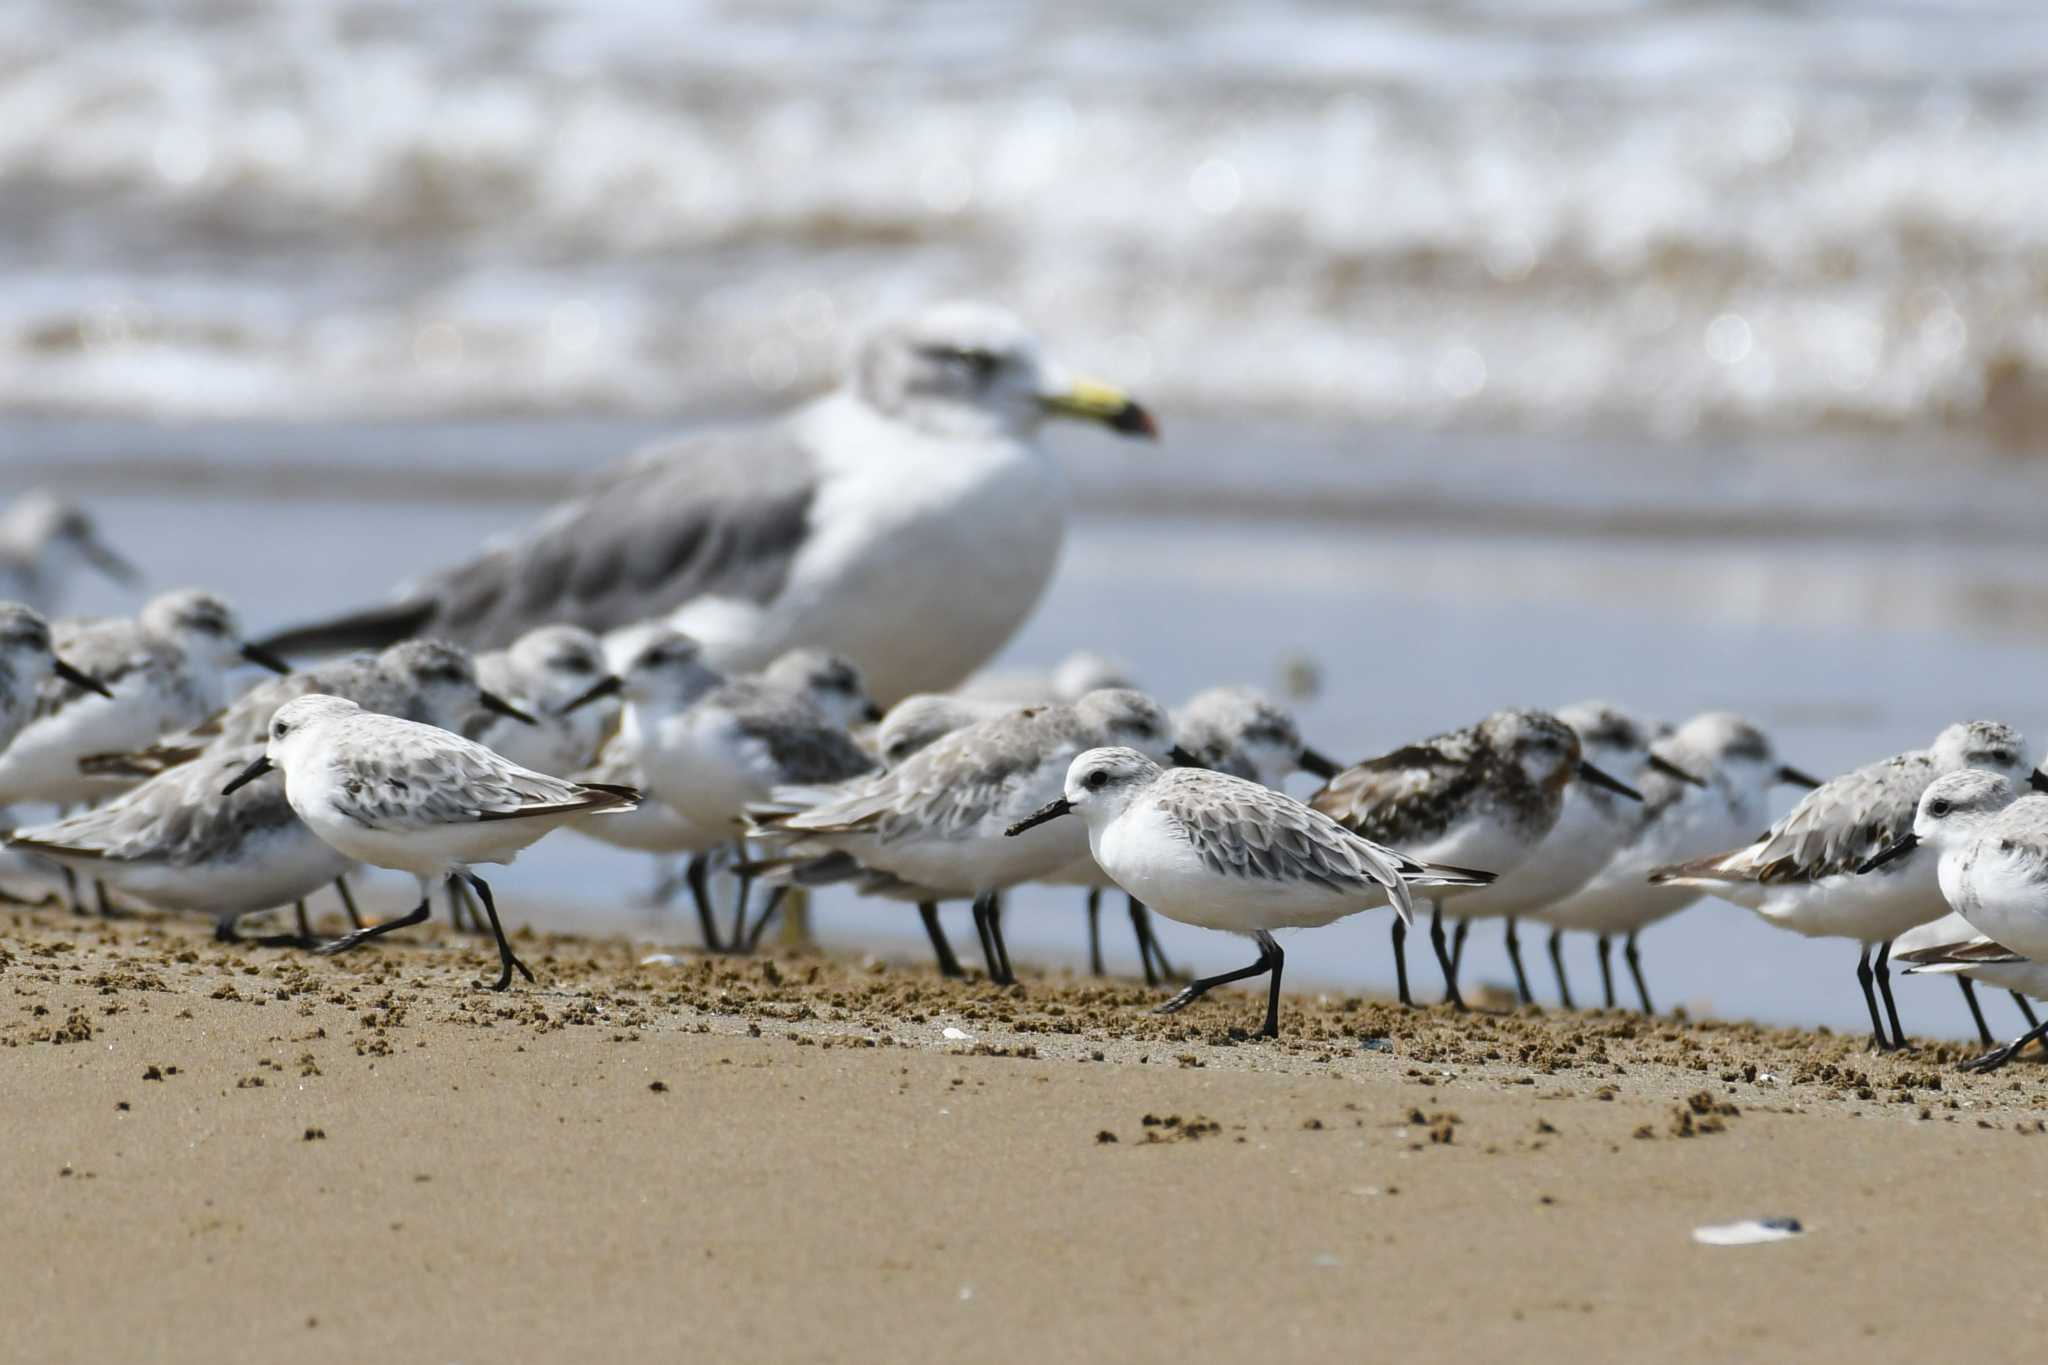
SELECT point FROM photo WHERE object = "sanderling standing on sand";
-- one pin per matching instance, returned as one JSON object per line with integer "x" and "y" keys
{"x": 162, "y": 671}
{"x": 414, "y": 798}
{"x": 937, "y": 821}
{"x": 1482, "y": 797}
{"x": 1951, "y": 946}
{"x": 1707, "y": 784}
{"x": 28, "y": 661}
{"x": 1801, "y": 874}
{"x": 43, "y": 541}
{"x": 1220, "y": 852}
{"x": 909, "y": 521}
{"x": 1991, "y": 857}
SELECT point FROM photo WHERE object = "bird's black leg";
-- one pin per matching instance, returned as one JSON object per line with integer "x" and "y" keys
{"x": 1270, "y": 960}
{"x": 506, "y": 962}
{"x": 1635, "y": 969}
{"x": 224, "y": 930}
{"x": 1095, "y": 931}
{"x": 983, "y": 907}
{"x": 948, "y": 964}
{"x": 71, "y": 892}
{"x": 694, "y": 875}
{"x": 1523, "y": 995}
{"x": 995, "y": 929}
{"x": 1401, "y": 961}
{"x": 2026, "y": 1009}
{"x": 462, "y": 910}
{"x": 1997, "y": 1058}
{"x": 1883, "y": 971}
{"x": 738, "y": 942}
{"x": 1458, "y": 947}
{"x": 1564, "y": 987}
{"x": 305, "y": 925}
{"x": 1141, "y": 918}
{"x": 1606, "y": 969}
{"x": 1141, "y": 929}
{"x": 1443, "y": 956}
{"x": 348, "y": 902}
{"x": 99, "y": 892}
{"x": 1864, "y": 976}
{"x": 1984, "y": 1035}
{"x": 378, "y": 930}
{"x": 768, "y": 911}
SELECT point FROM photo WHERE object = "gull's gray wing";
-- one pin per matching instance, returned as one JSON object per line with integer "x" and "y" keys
{"x": 719, "y": 514}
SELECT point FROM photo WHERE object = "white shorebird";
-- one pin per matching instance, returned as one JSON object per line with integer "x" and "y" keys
{"x": 28, "y": 661}
{"x": 908, "y": 520}
{"x": 1706, "y": 784}
{"x": 1072, "y": 678}
{"x": 162, "y": 671}
{"x": 1801, "y": 874}
{"x": 1991, "y": 857}
{"x": 414, "y": 798}
{"x": 708, "y": 748}
{"x": 541, "y": 675}
{"x": 179, "y": 843}
{"x": 935, "y": 823}
{"x": 1219, "y": 852}
{"x": 1482, "y": 797}
{"x": 44, "y": 540}
{"x": 1951, "y": 946}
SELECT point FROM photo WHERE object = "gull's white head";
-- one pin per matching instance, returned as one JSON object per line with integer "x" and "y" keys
{"x": 1123, "y": 716}
{"x": 972, "y": 369}
{"x": 204, "y": 627}
{"x": 1985, "y": 744}
{"x": 831, "y": 682}
{"x": 1240, "y": 731}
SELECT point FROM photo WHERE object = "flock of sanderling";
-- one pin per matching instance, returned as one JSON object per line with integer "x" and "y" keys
{"x": 681, "y": 662}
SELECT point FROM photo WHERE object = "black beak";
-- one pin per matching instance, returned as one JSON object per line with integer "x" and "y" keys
{"x": 2039, "y": 781}
{"x": 1133, "y": 420}
{"x": 1052, "y": 811}
{"x": 873, "y": 714}
{"x": 493, "y": 702}
{"x": 1886, "y": 854}
{"x": 1589, "y": 773}
{"x": 263, "y": 658}
{"x": 1322, "y": 765}
{"x": 1792, "y": 775}
{"x": 80, "y": 679}
{"x": 1180, "y": 758}
{"x": 248, "y": 774}
{"x": 1659, "y": 764}
{"x": 604, "y": 687}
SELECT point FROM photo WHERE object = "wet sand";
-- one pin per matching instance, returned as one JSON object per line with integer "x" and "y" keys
{"x": 229, "y": 1152}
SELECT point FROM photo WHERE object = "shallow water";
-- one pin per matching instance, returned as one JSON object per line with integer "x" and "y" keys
{"x": 1846, "y": 645}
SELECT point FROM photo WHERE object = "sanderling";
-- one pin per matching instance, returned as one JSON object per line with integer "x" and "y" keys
{"x": 1801, "y": 874}
{"x": 43, "y": 541}
{"x": 924, "y": 717}
{"x": 1072, "y": 678}
{"x": 414, "y": 798}
{"x": 937, "y": 820}
{"x": 1706, "y": 785}
{"x": 1219, "y": 852}
{"x": 178, "y": 843}
{"x": 1991, "y": 858}
{"x": 542, "y": 674}
{"x": 909, "y": 520}
{"x": 1482, "y": 797}
{"x": 162, "y": 671}
{"x": 1951, "y": 946}
{"x": 709, "y": 752}
{"x": 27, "y": 662}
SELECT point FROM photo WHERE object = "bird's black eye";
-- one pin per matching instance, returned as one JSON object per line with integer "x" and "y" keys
{"x": 1937, "y": 809}
{"x": 280, "y": 730}
{"x": 1098, "y": 780}
{"x": 575, "y": 663}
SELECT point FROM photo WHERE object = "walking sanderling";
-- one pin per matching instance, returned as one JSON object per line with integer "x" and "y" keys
{"x": 1220, "y": 852}
{"x": 415, "y": 798}
{"x": 162, "y": 671}
{"x": 1951, "y": 946}
{"x": 1801, "y": 874}
{"x": 909, "y": 521}
{"x": 937, "y": 820}
{"x": 1482, "y": 797}
{"x": 28, "y": 660}
{"x": 1707, "y": 784}
{"x": 1991, "y": 857}
{"x": 44, "y": 540}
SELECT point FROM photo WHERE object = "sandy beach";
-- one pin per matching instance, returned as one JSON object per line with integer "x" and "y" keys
{"x": 231, "y": 1152}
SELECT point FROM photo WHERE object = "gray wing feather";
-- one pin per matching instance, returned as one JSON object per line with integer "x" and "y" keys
{"x": 180, "y": 817}
{"x": 1243, "y": 829}
{"x": 441, "y": 779}
{"x": 1839, "y": 824}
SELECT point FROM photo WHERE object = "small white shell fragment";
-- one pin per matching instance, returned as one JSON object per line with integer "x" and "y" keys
{"x": 1749, "y": 1232}
{"x": 958, "y": 1035}
{"x": 660, "y": 960}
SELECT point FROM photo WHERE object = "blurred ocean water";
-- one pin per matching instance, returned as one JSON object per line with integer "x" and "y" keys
{"x": 1632, "y": 216}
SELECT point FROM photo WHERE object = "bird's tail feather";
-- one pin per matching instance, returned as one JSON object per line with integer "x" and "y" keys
{"x": 373, "y": 628}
